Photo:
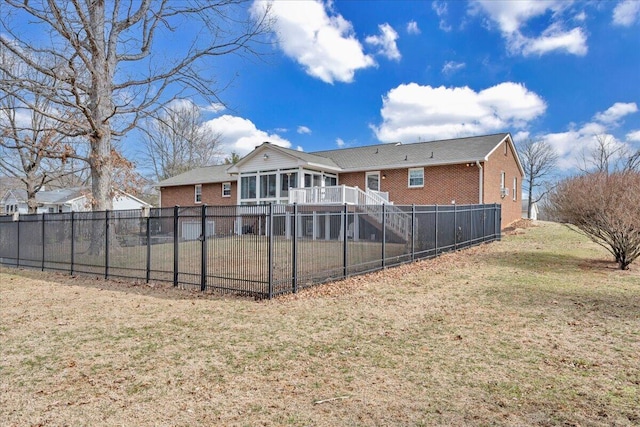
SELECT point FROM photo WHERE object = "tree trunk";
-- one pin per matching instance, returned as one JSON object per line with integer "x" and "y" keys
{"x": 530, "y": 201}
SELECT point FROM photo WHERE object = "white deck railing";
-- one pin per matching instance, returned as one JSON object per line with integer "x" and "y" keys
{"x": 368, "y": 200}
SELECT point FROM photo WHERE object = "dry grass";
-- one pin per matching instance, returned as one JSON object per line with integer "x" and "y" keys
{"x": 538, "y": 329}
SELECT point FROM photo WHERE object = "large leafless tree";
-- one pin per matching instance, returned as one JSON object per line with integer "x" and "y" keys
{"x": 609, "y": 155}
{"x": 105, "y": 70}
{"x": 32, "y": 149}
{"x": 539, "y": 160}
{"x": 177, "y": 141}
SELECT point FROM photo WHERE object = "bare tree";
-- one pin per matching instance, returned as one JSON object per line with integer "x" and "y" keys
{"x": 105, "y": 71}
{"x": 605, "y": 207}
{"x": 176, "y": 141}
{"x": 31, "y": 148}
{"x": 609, "y": 155}
{"x": 539, "y": 160}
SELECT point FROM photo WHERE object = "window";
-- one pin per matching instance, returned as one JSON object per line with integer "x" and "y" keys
{"x": 515, "y": 185}
{"x": 288, "y": 180}
{"x": 416, "y": 177}
{"x": 268, "y": 186}
{"x": 198, "y": 193}
{"x": 248, "y": 187}
{"x": 226, "y": 189}
{"x": 330, "y": 181}
{"x": 502, "y": 179}
{"x": 373, "y": 181}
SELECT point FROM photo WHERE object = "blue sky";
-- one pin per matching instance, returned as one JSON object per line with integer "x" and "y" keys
{"x": 350, "y": 73}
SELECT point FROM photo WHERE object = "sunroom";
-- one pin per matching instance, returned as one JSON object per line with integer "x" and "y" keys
{"x": 270, "y": 173}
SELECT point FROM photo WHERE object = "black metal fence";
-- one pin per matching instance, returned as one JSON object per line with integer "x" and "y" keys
{"x": 260, "y": 250}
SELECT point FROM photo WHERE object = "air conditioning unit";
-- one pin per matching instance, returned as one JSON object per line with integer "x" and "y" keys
{"x": 504, "y": 192}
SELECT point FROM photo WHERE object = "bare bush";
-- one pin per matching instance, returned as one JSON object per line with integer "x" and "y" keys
{"x": 604, "y": 207}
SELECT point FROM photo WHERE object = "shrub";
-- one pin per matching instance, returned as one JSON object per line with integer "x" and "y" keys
{"x": 605, "y": 207}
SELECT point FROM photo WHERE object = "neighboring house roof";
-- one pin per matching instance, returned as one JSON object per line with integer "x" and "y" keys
{"x": 371, "y": 157}
{"x": 204, "y": 175}
{"x": 52, "y": 197}
{"x": 59, "y": 196}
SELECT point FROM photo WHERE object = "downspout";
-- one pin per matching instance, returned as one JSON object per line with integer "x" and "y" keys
{"x": 480, "y": 182}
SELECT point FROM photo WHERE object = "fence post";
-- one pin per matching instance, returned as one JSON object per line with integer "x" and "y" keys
{"x": 18, "y": 254}
{"x": 203, "y": 248}
{"x": 42, "y": 265}
{"x": 294, "y": 250}
{"x": 436, "y": 232}
{"x": 413, "y": 232}
{"x": 106, "y": 244}
{"x": 472, "y": 240}
{"x": 384, "y": 234}
{"x": 499, "y": 221}
{"x": 73, "y": 239}
{"x": 270, "y": 250}
{"x": 345, "y": 229}
{"x": 455, "y": 227}
{"x": 484, "y": 221}
{"x": 148, "y": 235}
{"x": 175, "y": 245}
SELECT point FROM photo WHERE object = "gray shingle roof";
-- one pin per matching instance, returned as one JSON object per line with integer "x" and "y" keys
{"x": 58, "y": 196}
{"x": 207, "y": 174}
{"x": 450, "y": 151}
{"x": 371, "y": 157}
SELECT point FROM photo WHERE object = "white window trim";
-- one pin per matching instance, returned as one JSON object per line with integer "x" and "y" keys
{"x": 195, "y": 193}
{"x": 409, "y": 177}
{"x": 366, "y": 179}
{"x": 503, "y": 179}
{"x": 229, "y": 184}
{"x": 515, "y": 185}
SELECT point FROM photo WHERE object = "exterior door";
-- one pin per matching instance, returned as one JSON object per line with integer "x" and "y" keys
{"x": 373, "y": 181}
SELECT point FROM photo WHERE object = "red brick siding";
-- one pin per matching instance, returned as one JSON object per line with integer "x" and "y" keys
{"x": 442, "y": 185}
{"x": 184, "y": 195}
{"x": 499, "y": 162}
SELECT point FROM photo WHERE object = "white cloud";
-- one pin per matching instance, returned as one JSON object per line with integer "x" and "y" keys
{"x": 512, "y": 18}
{"x": 412, "y": 27}
{"x": 411, "y": 112}
{"x": 626, "y": 13}
{"x": 323, "y": 43}
{"x": 450, "y": 67}
{"x": 215, "y": 107}
{"x": 440, "y": 8}
{"x": 241, "y": 135}
{"x": 634, "y": 136}
{"x": 340, "y": 142}
{"x": 386, "y": 41}
{"x": 616, "y": 112}
{"x": 575, "y": 145}
{"x": 303, "y": 130}
{"x": 555, "y": 39}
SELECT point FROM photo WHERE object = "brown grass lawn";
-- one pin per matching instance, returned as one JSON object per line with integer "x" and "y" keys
{"x": 538, "y": 329}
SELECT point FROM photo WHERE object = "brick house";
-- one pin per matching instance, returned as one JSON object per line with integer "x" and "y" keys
{"x": 483, "y": 169}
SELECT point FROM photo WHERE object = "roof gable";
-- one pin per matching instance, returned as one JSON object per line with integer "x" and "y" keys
{"x": 286, "y": 155}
